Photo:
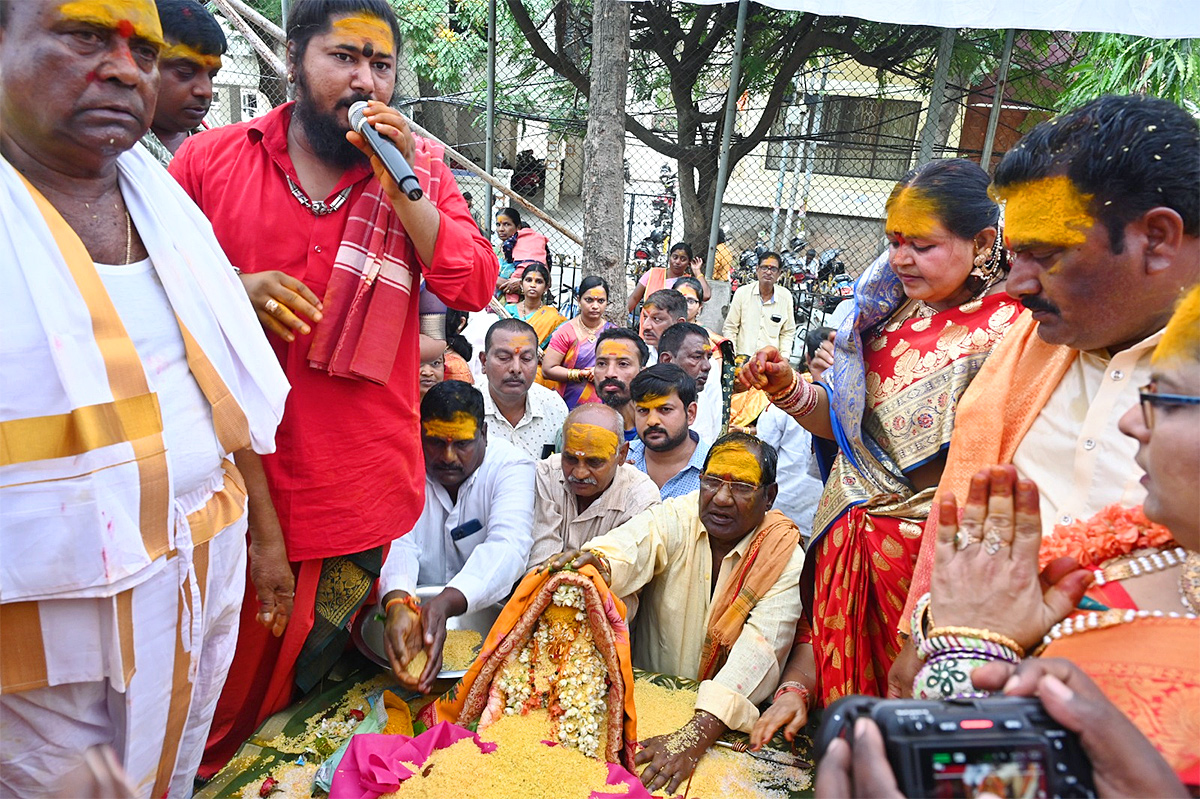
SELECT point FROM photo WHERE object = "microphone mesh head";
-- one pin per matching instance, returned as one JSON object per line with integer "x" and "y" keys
{"x": 357, "y": 117}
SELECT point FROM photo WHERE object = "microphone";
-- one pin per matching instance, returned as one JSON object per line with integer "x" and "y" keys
{"x": 387, "y": 151}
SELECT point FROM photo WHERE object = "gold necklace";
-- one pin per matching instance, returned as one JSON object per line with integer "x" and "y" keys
{"x": 591, "y": 332}
{"x": 128, "y": 236}
{"x": 1189, "y": 582}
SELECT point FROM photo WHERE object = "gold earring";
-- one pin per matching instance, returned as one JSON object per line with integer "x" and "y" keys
{"x": 291, "y": 78}
{"x": 981, "y": 258}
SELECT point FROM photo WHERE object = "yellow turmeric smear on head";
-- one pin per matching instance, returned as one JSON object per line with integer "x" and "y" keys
{"x": 127, "y": 17}
{"x": 368, "y": 29}
{"x": 912, "y": 214}
{"x": 595, "y": 293}
{"x": 1181, "y": 339}
{"x": 615, "y": 348}
{"x": 460, "y": 427}
{"x": 1047, "y": 211}
{"x": 654, "y": 401}
{"x": 182, "y": 52}
{"x": 590, "y": 441}
{"x": 735, "y": 462}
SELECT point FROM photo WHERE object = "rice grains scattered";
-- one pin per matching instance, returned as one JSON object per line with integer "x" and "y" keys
{"x": 460, "y": 649}
{"x": 522, "y": 767}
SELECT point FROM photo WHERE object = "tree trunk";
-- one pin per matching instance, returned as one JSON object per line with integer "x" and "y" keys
{"x": 604, "y": 152}
{"x": 696, "y": 203}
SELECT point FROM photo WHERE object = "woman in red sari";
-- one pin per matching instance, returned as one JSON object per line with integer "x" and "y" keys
{"x": 926, "y": 314}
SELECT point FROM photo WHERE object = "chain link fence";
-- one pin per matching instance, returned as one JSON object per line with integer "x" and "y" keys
{"x": 831, "y": 112}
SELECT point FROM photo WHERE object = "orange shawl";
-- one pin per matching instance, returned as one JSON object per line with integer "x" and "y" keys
{"x": 994, "y": 414}
{"x": 766, "y": 558}
{"x": 467, "y": 699}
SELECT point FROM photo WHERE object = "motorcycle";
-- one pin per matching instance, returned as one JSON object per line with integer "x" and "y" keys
{"x": 529, "y": 174}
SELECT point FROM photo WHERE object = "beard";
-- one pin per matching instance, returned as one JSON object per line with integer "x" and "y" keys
{"x": 611, "y": 399}
{"x": 670, "y": 443}
{"x": 325, "y": 134}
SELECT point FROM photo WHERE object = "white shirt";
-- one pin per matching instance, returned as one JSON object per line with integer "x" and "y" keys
{"x": 542, "y": 423}
{"x": 193, "y": 453}
{"x": 797, "y": 475}
{"x": 485, "y": 564}
{"x": 1074, "y": 452}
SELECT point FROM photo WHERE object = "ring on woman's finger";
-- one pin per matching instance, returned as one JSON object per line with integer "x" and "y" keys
{"x": 271, "y": 305}
{"x": 961, "y": 540}
{"x": 992, "y": 542}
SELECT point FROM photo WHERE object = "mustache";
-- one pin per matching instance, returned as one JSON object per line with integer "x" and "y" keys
{"x": 357, "y": 97}
{"x": 1036, "y": 303}
{"x": 615, "y": 382}
{"x": 655, "y": 429}
{"x": 591, "y": 481}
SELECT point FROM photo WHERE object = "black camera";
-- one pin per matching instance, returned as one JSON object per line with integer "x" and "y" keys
{"x": 1006, "y": 746}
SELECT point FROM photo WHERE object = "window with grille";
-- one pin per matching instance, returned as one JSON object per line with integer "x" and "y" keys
{"x": 866, "y": 137}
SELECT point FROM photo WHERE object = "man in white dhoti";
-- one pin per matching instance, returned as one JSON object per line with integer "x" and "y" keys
{"x": 135, "y": 374}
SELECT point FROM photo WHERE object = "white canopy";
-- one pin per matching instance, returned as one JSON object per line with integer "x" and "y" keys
{"x": 1163, "y": 19}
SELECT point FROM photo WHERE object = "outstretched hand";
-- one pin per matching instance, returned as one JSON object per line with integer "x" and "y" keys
{"x": 768, "y": 370}
{"x": 575, "y": 560}
{"x": 986, "y": 566}
{"x": 672, "y": 758}
{"x": 789, "y": 711}
{"x": 283, "y": 304}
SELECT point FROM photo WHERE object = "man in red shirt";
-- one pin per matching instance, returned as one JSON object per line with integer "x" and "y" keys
{"x": 304, "y": 214}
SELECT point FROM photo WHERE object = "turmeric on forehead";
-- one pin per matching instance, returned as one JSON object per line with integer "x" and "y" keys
{"x": 736, "y": 462}
{"x": 912, "y": 213}
{"x": 654, "y": 400}
{"x": 1047, "y": 211}
{"x": 459, "y": 427}
{"x": 590, "y": 441}
{"x": 187, "y": 53}
{"x": 368, "y": 28}
{"x": 127, "y": 17}
{"x": 1181, "y": 339}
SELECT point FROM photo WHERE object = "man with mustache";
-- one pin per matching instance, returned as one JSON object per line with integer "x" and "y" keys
{"x": 663, "y": 308}
{"x": 517, "y": 409}
{"x": 1102, "y": 220}
{"x": 588, "y": 489}
{"x": 667, "y": 449}
{"x": 620, "y": 355}
{"x": 721, "y": 604}
{"x": 138, "y": 388}
{"x": 188, "y": 65}
{"x": 473, "y": 536}
{"x": 307, "y": 215}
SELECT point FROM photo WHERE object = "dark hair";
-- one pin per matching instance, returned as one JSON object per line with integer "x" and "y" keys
{"x": 959, "y": 191}
{"x": 512, "y": 213}
{"x": 190, "y": 23}
{"x": 307, "y": 18}
{"x": 1130, "y": 153}
{"x": 540, "y": 269}
{"x": 455, "y": 320}
{"x": 467, "y": 196}
{"x": 673, "y": 337}
{"x": 771, "y": 254}
{"x": 688, "y": 280}
{"x": 625, "y": 334}
{"x": 670, "y": 301}
{"x": 813, "y": 339}
{"x": 660, "y": 380}
{"x": 449, "y": 397}
{"x": 768, "y": 458}
{"x": 509, "y": 325}
{"x": 590, "y": 282}
{"x": 682, "y": 245}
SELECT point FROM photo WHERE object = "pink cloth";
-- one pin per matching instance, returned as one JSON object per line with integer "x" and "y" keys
{"x": 374, "y": 763}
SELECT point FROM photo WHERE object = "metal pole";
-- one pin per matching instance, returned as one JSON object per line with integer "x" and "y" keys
{"x": 735, "y": 75}
{"x": 937, "y": 95}
{"x": 810, "y": 148}
{"x": 283, "y": 15}
{"x": 489, "y": 149}
{"x": 989, "y": 140}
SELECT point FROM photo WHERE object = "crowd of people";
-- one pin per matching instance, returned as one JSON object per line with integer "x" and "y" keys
{"x": 226, "y": 347}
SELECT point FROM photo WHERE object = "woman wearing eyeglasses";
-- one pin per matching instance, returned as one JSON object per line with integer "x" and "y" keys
{"x": 1136, "y": 632}
{"x": 926, "y": 315}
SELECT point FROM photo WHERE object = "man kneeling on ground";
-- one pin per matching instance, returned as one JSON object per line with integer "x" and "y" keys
{"x": 472, "y": 536}
{"x": 723, "y": 603}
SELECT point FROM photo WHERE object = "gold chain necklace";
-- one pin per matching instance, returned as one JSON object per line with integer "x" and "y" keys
{"x": 128, "y": 236}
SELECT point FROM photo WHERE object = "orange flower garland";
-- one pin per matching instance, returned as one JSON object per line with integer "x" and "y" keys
{"x": 1112, "y": 532}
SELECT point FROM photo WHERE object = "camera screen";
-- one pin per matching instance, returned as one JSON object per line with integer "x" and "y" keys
{"x": 950, "y": 772}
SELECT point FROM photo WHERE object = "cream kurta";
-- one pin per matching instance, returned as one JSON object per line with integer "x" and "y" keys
{"x": 665, "y": 553}
{"x": 1074, "y": 452}
{"x": 558, "y": 526}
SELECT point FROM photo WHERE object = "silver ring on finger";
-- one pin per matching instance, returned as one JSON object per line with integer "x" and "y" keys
{"x": 271, "y": 306}
{"x": 961, "y": 540}
{"x": 992, "y": 542}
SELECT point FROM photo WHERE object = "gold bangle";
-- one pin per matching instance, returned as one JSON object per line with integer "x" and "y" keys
{"x": 981, "y": 634}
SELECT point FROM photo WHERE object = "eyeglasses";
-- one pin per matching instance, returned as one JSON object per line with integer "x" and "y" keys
{"x": 692, "y": 301}
{"x": 767, "y": 268}
{"x": 1150, "y": 398}
{"x": 743, "y": 491}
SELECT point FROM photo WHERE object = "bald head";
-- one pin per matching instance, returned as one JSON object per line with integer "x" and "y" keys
{"x": 594, "y": 448}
